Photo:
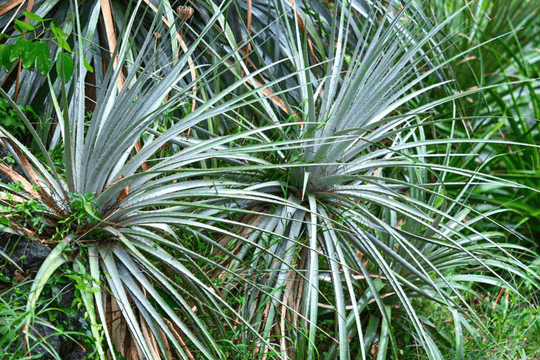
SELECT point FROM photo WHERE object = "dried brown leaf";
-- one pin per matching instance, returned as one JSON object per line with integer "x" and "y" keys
{"x": 150, "y": 340}
{"x": 176, "y": 332}
{"x": 15, "y": 177}
{"x": 10, "y": 5}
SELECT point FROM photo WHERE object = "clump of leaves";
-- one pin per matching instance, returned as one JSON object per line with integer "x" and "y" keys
{"x": 83, "y": 215}
{"x": 36, "y": 50}
{"x": 105, "y": 194}
{"x": 27, "y": 214}
{"x": 10, "y": 120}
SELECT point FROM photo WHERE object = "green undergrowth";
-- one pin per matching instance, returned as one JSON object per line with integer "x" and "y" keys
{"x": 511, "y": 319}
{"x": 55, "y": 318}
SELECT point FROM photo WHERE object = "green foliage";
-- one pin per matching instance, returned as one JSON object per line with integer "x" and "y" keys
{"x": 36, "y": 49}
{"x": 512, "y": 320}
{"x": 61, "y": 36}
{"x": 84, "y": 209}
{"x": 510, "y": 112}
{"x": 14, "y": 316}
{"x": 26, "y": 214}
{"x": 29, "y": 51}
{"x": 9, "y": 118}
{"x": 64, "y": 65}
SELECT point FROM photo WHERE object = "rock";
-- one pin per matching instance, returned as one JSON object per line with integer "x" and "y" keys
{"x": 4, "y": 178}
{"x": 33, "y": 254}
{"x": 76, "y": 355}
{"x": 3, "y": 152}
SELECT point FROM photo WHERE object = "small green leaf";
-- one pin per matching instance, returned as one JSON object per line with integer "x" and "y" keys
{"x": 29, "y": 56}
{"x": 21, "y": 46}
{"x": 32, "y": 16}
{"x": 64, "y": 44}
{"x": 43, "y": 55}
{"x": 60, "y": 36}
{"x": 64, "y": 62}
{"x": 9, "y": 121}
{"x": 5, "y": 52}
{"x": 58, "y": 31}
{"x": 88, "y": 66}
{"x": 23, "y": 26}
{"x": 3, "y": 103}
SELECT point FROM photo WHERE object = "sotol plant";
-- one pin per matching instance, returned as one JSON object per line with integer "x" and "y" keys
{"x": 298, "y": 223}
